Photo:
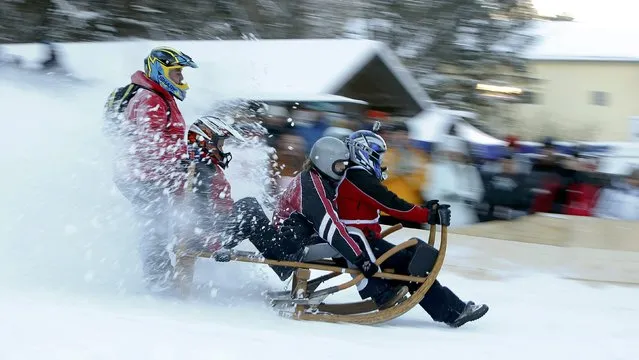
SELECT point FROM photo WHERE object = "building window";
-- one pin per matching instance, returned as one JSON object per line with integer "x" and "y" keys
{"x": 599, "y": 98}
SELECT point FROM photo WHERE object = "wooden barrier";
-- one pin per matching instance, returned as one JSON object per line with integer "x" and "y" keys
{"x": 593, "y": 250}
{"x": 561, "y": 230}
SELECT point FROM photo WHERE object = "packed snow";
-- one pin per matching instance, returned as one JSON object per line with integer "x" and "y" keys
{"x": 71, "y": 285}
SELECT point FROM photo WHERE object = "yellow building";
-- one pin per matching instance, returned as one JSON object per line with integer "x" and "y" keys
{"x": 587, "y": 84}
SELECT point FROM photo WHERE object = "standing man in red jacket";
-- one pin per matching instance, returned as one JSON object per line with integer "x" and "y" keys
{"x": 150, "y": 170}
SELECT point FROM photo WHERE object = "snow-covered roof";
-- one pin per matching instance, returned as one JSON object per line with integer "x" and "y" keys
{"x": 298, "y": 97}
{"x": 572, "y": 40}
{"x": 241, "y": 68}
{"x": 431, "y": 125}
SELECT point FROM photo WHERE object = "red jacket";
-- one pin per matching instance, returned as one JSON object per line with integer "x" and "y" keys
{"x": 209, "y": 199}
{"x": 545, "y": 198}
{"x": 582, "y": 199}
{"x": 213, "y": 189}
{"x": 158, "y": 142}
{"x": 361, "y": 196}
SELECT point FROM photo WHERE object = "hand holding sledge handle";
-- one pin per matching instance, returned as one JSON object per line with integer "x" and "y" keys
{"x": 443, "y": 212}
{"x": 432, "y": 206}
{"x": 438, "y": 214}
{"x": 366, "y": 266}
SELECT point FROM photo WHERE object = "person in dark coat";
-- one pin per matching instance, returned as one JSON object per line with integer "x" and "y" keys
{"x": 508, "y": 193}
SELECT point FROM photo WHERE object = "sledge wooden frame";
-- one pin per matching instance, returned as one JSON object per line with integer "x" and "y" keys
{"x": 307, "y": 301}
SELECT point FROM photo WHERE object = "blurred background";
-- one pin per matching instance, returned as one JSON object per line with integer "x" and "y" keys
{"x": 503, "y": 108}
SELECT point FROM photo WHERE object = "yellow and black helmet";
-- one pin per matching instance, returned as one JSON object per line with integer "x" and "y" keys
{"x": 163, "y": 59}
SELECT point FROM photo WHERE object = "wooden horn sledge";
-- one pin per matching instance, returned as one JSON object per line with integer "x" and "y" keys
{"x": 306, "y": 300}
{"x": 185, "y": 263}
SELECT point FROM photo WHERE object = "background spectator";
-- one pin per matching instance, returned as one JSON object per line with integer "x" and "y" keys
{"x": 455, "y": 180}
{"x": 508, "y": 192}
{"x": 407, "y": 168}
{"x": 620, "y": 201}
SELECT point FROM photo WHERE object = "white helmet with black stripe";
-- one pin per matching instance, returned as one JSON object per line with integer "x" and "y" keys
{"x": 209, "y": 133}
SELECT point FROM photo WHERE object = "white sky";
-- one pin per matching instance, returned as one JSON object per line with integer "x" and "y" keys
{"x": 591, "y": 11}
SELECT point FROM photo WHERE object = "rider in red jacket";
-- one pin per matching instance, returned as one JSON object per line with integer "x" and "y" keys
{"x": 208, "y": 196}
{"x": 360, "y": 198}
{"x": 305, "y": 215}
{"x": 158, "y": 135}
{"x": 151, "y": 151}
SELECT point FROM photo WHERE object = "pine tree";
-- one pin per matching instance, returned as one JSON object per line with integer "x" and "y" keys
{"x": 450, "y": 45}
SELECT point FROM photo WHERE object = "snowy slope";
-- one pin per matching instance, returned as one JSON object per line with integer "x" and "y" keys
{"x": 71, "y": 288}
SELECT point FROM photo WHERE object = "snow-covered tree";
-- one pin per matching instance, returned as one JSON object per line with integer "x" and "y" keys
{"x": 450, "y": 45}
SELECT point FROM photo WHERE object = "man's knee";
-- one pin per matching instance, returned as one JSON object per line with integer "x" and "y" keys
{"x": 249, "y": 206}
{"x": 423, "y": 259}
{"x": 248, "y": 214}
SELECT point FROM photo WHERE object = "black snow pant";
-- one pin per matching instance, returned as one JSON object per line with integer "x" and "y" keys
{"x": 152, "y": 207}
{"x": 248, "y": 221}
{"x": 251, "y": 223}
{"x": 207, "y": 230}
{"x": 439, "y": 302}
{"x": 269, "y": 242}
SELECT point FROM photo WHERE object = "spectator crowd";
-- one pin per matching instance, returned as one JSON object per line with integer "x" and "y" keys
{"x": 514, "y": 185}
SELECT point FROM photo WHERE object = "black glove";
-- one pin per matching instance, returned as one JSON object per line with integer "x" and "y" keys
{"x": 432, "y": 205}
{"x": 366, "y": 266}
{"x": 184, "y": 164}
{"x": 443, "y": 212}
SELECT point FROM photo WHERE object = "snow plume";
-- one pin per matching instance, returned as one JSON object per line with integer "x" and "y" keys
{"x": 249, "y": 171}
{"x": 63, "y": 224}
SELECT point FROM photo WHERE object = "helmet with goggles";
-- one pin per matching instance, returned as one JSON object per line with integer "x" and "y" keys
{"x": 367, "y": 150}
{"x": 206, "y": 138}
{"x": 159, "y": 64}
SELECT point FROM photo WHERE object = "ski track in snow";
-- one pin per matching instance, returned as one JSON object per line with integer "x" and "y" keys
{"x": 71, "y": 287}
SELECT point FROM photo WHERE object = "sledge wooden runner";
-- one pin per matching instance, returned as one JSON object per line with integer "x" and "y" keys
{"x": 370, "y": 314}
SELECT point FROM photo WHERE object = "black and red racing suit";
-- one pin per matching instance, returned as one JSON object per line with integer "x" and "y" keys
{"x": 308, "y": 203}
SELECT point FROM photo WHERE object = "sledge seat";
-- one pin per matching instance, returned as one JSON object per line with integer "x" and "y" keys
{"x": 324, "y": 254}
{"x": 320, "y": 251}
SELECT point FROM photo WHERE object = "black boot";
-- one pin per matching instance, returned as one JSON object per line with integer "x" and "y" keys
{"x": 390, "y": 297}
{"x": 440, "y": 302}
{"x": 471, "y": 312}
{"x": 384, "y": 293}
{"x": 284, "y": 272}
